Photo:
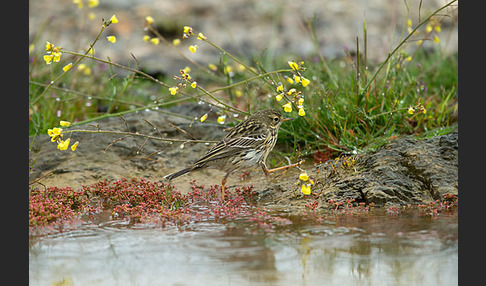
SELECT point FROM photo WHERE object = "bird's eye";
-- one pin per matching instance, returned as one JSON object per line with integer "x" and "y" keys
{"x": 275, "y": 119}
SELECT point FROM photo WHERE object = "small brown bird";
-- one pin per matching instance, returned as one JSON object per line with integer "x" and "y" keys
{"x": 246, "y": 145}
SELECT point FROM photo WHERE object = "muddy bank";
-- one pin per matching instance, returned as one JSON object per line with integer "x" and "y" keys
{"x": 404, "y": 171}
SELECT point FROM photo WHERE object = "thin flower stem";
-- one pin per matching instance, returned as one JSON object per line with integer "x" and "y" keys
{"x": 230, "y": 55}
{"x": 156, "y": 33}
{"x": 401, "y": 44}
{"x": 91, "y": 46}
{"x": 120, "y": 66}
{"x": 136, "y": 134}
{"x": 249, "y": 80}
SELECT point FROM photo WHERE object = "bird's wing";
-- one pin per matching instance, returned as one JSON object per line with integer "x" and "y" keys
{"x": 232, "y": 147}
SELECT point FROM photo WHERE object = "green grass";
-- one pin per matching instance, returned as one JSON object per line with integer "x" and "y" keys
{"x": 351, "y": 105}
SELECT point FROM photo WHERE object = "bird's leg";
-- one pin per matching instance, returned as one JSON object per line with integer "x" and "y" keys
{"x": 223, "y": 182}
{"x": 264, "y": 168}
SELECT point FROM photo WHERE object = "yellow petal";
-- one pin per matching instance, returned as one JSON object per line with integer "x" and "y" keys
{"x": 193, "y": 48}
{"x": 187, "y": 30}
{"x": 93, "y": 3}
{"x": 74, "y": 146}
{"x": 49, "y": 46}
{"x": 204, "y": 117}
{"x": 67, "y": 67}
{"x": 221, "y": 119}
{"x": 48, "y": 59}
{"x": 293, "y": 65}
{"x": 113, "y": 19}
{"x": 65, "y": 123}
{"x": 301, "y": 112}
{"x": 306, "y": 189}
{"x": 305, "y": 82}
{"x": 287, "y": 107}
{"x": 201, "y": 36}
{"x": 303, "y": 176}
{"x": 149, "y": 20}
{"x": 111, "y": 39}
{"x": 173, "y": 90}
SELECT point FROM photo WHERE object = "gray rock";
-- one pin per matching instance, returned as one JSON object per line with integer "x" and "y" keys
{"x": 404, "y": 171}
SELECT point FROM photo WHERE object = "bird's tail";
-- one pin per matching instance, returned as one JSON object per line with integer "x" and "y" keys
{"x": 177, "y": 174}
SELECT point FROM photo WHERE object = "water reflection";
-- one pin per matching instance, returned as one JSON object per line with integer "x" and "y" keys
{"x": 375, "y": 250}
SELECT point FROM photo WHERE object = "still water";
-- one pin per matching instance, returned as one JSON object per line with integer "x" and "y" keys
{"x": 376, "y": 249}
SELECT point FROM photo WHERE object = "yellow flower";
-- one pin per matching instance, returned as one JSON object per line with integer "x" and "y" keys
{"x": 74, "y": 146}
{"x": 221, "y": 119}
{"x": 301, "y": 112}
{"x": 287, "y": 107}
{"x": 238, "y": 93}
{"x": 176, "y": 42}
{"x": 113, "y": 19}
{"x": 149, "y": 20}
{"x": 55, "y": 133}
{"x": 111, "y": 39}
{"x": 187, "y": 30}
{"x": 57, "y": 57}
{"x": 48, "y": 59}
{"x": 280, "y": 87}
{"x": 204, "y": 117}
{"x": 279, "y": 97}
{"x": 186, "y": 70}
{"x": 194, "y": 84}
{"x": 155, "y": 41}
{"x": 193, "y": 48}
{"x": 65, "y": 123}
{"x": 93, "y": 3}
{"x": 424, "y": 111}
{"x": 91, "y": 16}
{"x": 303, "y": 176}
{"x": 296, "y": 78}
{"x": 436, "y": 39}
{"x": 213, "y": 67}
{"x": 173, "y": 90}
{"x": 86, "y": 70}
{"x": 409, "y": 59}
{"x": 411, "y": 110}
{"x": 63, "y": 145}
{"x": 146, "y": 38}
{"x": 79, "y": 3}
{"x": 228, "y": 69}
{"x": 301, "y": 101}
{"x": 289, "y": 80}
{"x": 201, "y": 36}
{"x": 240, "y": 67}
{"x": 306, "y": 189}
{"x": 291, "y": 91}
{"x": 437, "y": 28}
{"x": 305, "y": 82}
{"x": 49, "y": 47}
{"x": 419, "y": 42}
{"x": 428, "y": 29}
{"x": 409, "y": 23}
{"x": 293, "y": 65}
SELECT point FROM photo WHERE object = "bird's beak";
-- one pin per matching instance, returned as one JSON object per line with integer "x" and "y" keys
{"x": 287, "y": 119}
